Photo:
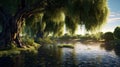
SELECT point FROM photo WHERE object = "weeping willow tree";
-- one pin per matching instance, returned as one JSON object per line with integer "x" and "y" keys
{"x": 13, "y": 14}
{"x": 49, "y": 16}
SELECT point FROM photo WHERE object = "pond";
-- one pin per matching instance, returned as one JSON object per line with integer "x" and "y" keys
{"x": 92, "y": 54}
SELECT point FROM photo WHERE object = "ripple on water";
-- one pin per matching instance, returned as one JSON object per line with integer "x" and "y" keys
{"x": 90, "y": 55}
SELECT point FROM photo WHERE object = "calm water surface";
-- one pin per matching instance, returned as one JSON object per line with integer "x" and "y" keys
{"x": 82, "y": 55}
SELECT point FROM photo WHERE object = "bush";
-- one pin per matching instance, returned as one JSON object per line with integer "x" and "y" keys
{"x": 117, "y": 32}
{"x": 108, "y": 36}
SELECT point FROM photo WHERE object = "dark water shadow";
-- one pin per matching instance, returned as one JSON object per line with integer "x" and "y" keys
{"x": 117, "y": 50}
{"x": 107, "y": 46}
{"x": 6, "y": 62}
{"x": 112, "y": 46}
{"x": 49, "y": 57}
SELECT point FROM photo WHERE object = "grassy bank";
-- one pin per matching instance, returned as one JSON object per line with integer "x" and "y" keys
{"x": 20, "y": 57}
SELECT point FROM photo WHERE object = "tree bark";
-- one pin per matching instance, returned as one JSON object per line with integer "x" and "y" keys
{"x": 12, "y": 25}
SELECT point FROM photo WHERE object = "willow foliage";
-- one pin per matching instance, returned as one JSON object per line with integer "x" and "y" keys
{"x": 59, "y": 13}
{"x": 90, "y": 13}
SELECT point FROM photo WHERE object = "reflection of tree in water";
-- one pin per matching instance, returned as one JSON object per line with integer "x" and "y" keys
{"x": 68, "y": 57}
{"x": 117, "y": 50}
{"x": 52, "y": 56}
{"x": 109, "y": 46}
{"x": 48, "y": 56}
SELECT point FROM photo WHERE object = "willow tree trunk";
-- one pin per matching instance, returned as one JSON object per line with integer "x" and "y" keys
{"x": 10, "y": 29}
{"x": 11, "y": 25}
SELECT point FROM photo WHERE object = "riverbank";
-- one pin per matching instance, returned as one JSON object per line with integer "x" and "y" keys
{"x": 50, "y": 55}
{"x": 19, "y": 57}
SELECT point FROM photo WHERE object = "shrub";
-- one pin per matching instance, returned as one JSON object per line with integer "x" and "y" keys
{"x": 108, "y": 36}
{"x": 117, "y": 32}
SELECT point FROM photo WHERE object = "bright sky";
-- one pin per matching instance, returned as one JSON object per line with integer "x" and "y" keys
{"x": 114, "y": 17}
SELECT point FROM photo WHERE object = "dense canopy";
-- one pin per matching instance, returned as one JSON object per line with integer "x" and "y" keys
{"x": 57, "y": 13}
{"x": 50, "y": 16}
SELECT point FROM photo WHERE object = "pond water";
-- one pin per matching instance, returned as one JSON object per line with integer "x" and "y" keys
{"x": 92, "y": 54}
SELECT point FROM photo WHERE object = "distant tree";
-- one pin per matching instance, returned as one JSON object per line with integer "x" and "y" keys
{"x": 117, "y": 32}
{"x": 108, "y": 36}
{"x": 48, "y": 16}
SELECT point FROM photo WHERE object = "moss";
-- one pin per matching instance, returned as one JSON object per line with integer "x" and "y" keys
{"x": 20, "y": 57}
{"x": 9, "y": 53}
{"x": 66, "y": 45}
{"x": 15, "y": 51}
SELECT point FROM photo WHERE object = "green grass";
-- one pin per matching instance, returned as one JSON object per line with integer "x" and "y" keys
{"x": 33, "y": 47}
{"x": 66, "y": 45}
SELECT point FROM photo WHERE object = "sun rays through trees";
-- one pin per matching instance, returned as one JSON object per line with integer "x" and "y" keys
{"x": 42, "y": 17}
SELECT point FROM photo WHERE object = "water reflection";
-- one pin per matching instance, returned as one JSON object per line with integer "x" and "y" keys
{"x": 117, "y": 50}
{"x": 112, "y": 47}
{"x": 49, "y": 56}
{"x": 94, "y": 56}
{"x": 68, "y": 57}
{"x": 82, "y": 55}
